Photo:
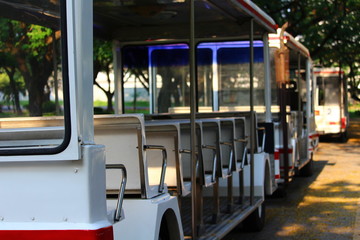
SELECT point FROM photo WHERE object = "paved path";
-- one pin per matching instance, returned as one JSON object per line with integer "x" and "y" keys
{"x": 322, "y": 207}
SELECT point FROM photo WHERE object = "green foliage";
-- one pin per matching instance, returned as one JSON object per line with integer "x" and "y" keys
{"x": 37, "y": 36}
{"x": 103, "y": 52}
{"x": 26, "y": 53}
{"x": 5, "y": 89}
{"x": 49, "y": 107}
{"x": 330, "y": 29}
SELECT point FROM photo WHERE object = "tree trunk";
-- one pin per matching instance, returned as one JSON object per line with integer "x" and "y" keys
{"x": 14, "y": 89}
{"x": 36, "y": 96}
{"x": 109, "y": 97}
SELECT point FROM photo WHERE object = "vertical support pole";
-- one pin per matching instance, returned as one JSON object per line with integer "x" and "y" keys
{"x": 299, "y": 86}
{"x": 216, "y": 201}
{"x": 252, "y": 113}
{"x": 283, "y": 97}
{"x": 194, "y": 197}
{"x": 215, "y": 81}
{"x": 152, "y": 84}
{"x": 118, "y": 78}
{"x": 267, "y": 78}
{"x": 308, "y": 105}
{"x": 230, "y": 194}
{"x": 283, "y": 111}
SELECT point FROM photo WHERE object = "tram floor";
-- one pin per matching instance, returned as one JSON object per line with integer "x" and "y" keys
{"x": 226, "y": 219}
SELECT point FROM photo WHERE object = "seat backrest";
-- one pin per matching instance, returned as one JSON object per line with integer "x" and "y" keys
{"x": 211, "y": 136}
{"x": 123, "y": 137}
{"x": 240, "y": 136}
{"x": 167, "y": 134}
{"x": 227, "y": 131}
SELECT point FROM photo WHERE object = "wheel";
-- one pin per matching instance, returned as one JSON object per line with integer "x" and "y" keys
{"x": 255, "y": 222}
{"x": 343, "y": 137}
{"x": 164, "y": 232}
{"x": 280, "y": 192}
{"x": 307, "y": 170}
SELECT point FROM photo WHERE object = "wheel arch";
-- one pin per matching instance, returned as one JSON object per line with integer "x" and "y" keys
{"x": 170, "y": 227}
{"x": 268, "y": 177}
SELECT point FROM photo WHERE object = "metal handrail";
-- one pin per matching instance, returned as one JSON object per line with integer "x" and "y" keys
{"x": 263, "y": 138}
{"x": 243, "y": 140}
{"x": 164, "y": 163}
{"x": 187, "y": 151}
{"x": 213, "y": 176}
{"x": 244, "y": 158}
{"x": 231, "y": 146}
{"x": 119, "y": 204}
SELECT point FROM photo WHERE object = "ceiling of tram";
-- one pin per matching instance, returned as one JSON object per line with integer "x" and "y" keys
{"x": 140, "y": 20}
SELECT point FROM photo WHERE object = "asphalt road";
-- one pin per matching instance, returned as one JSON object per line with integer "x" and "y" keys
{"x": 322, "y": 207}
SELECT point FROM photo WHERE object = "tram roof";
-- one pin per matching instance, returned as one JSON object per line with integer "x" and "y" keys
{"x": 146, "y": 20}
{"x": 150, "y": 20}
{"x": 328, "y": 71}
{"x": 289, "y": 41}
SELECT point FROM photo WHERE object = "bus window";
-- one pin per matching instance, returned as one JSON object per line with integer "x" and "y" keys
{"x": 329, "y": 90}
{"x": 33, "y": 79}
{"x": 158, "y": 77}
{"x": 234, "y": 78}
{"x": 136, "y": 87}
{"x": 170, "y": 78}
{"x": 205, "y": 77}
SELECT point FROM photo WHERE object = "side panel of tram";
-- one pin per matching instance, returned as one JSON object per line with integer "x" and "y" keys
{"x": 292, "y": 106}
{"x": 331, "y": 102}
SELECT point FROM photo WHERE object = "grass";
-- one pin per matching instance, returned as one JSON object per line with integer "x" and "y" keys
{"x": 141, "y": 107}
{"x": 354, "y": 110}
{"x": 138, "y": 104}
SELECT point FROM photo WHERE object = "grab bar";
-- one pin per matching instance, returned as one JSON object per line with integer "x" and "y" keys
{"x": 244, "y": 140}
{"x": 213, "y": 176}
{"x": 119, "y": 204}
{"x": 231, "y": 146}
{"x": 263, "y": 137}
{"x": 164, "y": 163}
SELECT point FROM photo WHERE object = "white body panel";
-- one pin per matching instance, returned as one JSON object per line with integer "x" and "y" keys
{"x": 55, "y": 195}
{"x": 262, "y": 186}
{"x": 262, "y": 178}
{"x": 143, "y": 218}
{"x": 328, "y": 120}
{"x": 331, "y": 113}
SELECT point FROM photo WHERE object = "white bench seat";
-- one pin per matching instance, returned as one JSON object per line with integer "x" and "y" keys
{"x": 125, "y": 143}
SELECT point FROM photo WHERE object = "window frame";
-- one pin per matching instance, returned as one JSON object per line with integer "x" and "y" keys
{"x": 18, "y": 151}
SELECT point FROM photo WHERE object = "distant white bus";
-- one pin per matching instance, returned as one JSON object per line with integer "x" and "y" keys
{"x": 331, "y": 113}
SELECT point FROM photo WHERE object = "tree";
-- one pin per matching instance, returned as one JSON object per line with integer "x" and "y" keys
{"x": 31, "y": 47}
{"x": 103, "y": 59}
{"x": 13, "y": 85}
{"x": 328, "y": 28}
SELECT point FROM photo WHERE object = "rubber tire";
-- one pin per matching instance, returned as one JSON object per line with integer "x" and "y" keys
{"x": 281, "y": 192}
{"x": 307, "y": 170}
{"x": 164, "y": 232}
{"x": 255, "y": 222}
{"x": 343, "y": 137}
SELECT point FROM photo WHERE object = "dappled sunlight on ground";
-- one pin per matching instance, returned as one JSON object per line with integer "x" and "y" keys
{"x": 328, "y": 210}
{"x": 321, "y": 207}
